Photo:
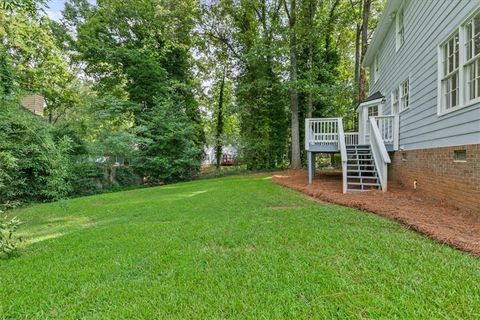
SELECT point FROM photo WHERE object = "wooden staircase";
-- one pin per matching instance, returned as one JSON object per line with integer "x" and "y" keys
{"x": 362, "y": 174}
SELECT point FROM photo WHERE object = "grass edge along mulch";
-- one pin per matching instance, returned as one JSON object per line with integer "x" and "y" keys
{"x": 437, "y": 220}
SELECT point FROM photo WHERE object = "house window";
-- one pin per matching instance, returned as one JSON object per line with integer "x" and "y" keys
{"x": 450, "y": 56}
{"x": 472, "y": 55}
{"x": 373, "y": 111}
{"x": 395, "y": 100}
{"x": 401, "y": 97}
{"x": 404, "y": 95}
{"x": 459, "y": 67}
{"x": 400, "y": 28}
{"x": 376, "y": 69}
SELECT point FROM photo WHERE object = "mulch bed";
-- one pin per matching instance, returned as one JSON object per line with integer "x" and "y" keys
{"x": 436, "y": 219}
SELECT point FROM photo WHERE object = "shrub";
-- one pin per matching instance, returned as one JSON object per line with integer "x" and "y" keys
{"x": 86, "y": 178}
{"x": 126, "y": 177}
{"x": 169, "y": 149}
{"x": 33, "y": 167}
{"x": 8, "y": 238}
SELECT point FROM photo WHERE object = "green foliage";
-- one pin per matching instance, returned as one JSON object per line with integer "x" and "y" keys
{"x": 34, "y": 167}
{"x": 27, "y": 5}
{"x": 86, "y": 177}
{"x": 126, "y": 176}
{"x": 7, "y": 85}
{"x": 9, "y": 239}
{"x": 40, "y": 65}
{"x": 168, "y": 151}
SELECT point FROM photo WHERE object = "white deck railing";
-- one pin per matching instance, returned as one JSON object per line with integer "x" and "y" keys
{"x": 379, "y": 152}
{"x": 351, "y": 138}
{"x": 321, "y": 131}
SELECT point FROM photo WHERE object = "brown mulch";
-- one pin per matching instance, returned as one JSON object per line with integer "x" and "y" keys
{"x": 436, "y": 219}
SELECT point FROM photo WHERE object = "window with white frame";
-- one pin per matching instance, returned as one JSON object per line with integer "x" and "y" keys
{"x": 401, "y": 97}
{"x": 376, "y": 69}
{"x": 373, "y": 111}
{"x": 450, "y": 73}
{"x": 459, "y": 67}
{"x": 395, "y": 100}
{"x": 400, "y": 28}
{"x": 472, "y": 57}
{"x": 404, "y": 95}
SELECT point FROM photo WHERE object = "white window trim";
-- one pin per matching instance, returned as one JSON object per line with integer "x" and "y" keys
{"x": 397, "y": 101}
{"x": 399, "y": 88}
{"x": 398, "y": 42}
{"x": 462, "y": 100}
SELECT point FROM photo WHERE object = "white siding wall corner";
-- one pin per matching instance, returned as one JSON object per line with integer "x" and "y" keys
{"x": 427, "y": 24}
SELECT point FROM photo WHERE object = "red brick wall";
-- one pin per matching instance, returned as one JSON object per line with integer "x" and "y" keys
{"x": 439, "y": 176}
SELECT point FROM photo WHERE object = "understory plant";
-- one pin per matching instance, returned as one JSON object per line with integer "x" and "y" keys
{"x": 9, "y": 239}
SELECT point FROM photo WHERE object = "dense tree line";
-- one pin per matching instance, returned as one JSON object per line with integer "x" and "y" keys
{"x": 148, "y": 84}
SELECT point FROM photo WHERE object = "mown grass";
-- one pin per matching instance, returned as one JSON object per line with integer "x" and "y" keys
{"x": 237, "y": 247}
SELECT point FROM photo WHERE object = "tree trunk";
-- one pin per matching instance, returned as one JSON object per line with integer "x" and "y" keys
{"x": 357, "y": 62}
{"x": 311, "y": 13}
{"x": 362, "y": 76}
{"x": 219, "y": 129}
{"x": 295, "y": 162}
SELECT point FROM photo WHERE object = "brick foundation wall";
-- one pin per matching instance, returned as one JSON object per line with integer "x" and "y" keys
{"x": 439, "y": 176}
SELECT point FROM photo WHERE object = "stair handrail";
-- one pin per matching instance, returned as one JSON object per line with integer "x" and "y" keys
{"x": 343, "y": 151}
{"x": 379, "y": 152}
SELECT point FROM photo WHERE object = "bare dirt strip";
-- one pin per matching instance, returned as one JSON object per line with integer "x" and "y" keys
{"x": 436, "y": 219}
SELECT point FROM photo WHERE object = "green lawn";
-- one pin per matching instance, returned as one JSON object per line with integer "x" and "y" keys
{"x": 237, "y": 247}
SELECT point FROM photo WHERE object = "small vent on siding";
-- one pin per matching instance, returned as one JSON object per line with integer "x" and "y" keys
{"x": 460, "y": 155}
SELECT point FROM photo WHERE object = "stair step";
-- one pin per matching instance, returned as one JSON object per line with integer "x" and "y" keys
{"x": 361, "y": 171}
{"x": 360, "y": 165}
{"x": 358, "y": 190}
{"x": 362, "y": 177}
{"x": 357, "y": 158}
{"x": 358, "y": 147}
{"x": 363, "y": 184}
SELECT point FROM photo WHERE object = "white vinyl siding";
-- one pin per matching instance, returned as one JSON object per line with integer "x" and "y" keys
{"x": 428, "y": 24}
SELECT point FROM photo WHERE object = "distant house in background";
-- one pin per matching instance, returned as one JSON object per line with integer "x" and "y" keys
{"x": 229, "y": 154}
{"x": 34, "y": 103}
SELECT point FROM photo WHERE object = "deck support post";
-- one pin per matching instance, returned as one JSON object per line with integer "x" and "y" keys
{"x": 311, "y": 156}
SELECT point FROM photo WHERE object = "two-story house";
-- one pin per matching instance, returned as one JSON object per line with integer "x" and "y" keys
{"x": 421, "y": 124}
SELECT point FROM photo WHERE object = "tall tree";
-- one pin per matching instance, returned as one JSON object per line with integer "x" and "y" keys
{"x": 139, "y": 51}
{"x": 291, "y": 11}
{"x": 363, "y": 75}
{"x": 220, "y": 121}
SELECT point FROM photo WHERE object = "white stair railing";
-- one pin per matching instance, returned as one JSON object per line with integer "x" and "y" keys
{"x": 343, "y": 151}
{"x": 389, "y": 129}
{"x": 379, "y": 152}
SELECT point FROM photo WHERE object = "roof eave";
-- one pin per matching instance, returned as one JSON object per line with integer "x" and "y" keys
{"x": 386, "y": 19}
{"x": 370, "y": 103}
